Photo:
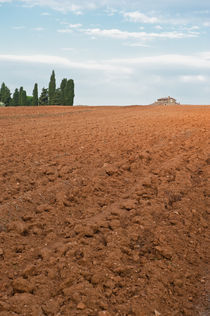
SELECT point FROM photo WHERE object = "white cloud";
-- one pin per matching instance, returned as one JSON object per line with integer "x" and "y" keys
{"x": 199, "y": 61}
{"x": 21, "y": 27}
{"x": 38, "y": 29}
{"x": 45, "y": 14}
{"x": 64, "y": 31}
{"x": 205, "y": 55}
{"x": 140, "y": 17}
{"x": 118, "y": 34}
{"x": 111, "y": 11}
{"x": 136, "y": 44}
{"x": 194, "y": 27}
{"x": 67, "y": 49}
{"x": 78, "y": 6}
{"x": 69, "y": 27}
{"x": 193, "y": 78}
{"x": 158, "y": 27}
{"x": 202, "y": 11}
{"x": 123, "y": 65}
{"x": 73, "y": 26}
{"x": 65, "y": 62}
{"x": 62, "y": 6}
{"x": 207, "y": 23}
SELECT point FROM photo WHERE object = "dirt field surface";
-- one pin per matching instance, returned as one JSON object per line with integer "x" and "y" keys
{"x": 103, "y": 211}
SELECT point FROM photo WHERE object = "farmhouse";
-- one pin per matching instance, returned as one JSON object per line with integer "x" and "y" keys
{"x": 166, "y": 101}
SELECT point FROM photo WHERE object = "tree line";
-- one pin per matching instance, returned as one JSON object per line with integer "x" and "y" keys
{"x": 64, "y": 95}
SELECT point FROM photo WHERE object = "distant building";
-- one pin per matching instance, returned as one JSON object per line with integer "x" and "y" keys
{"x": 166, "y": 101}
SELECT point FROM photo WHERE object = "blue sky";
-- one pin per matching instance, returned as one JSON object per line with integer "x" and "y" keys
{"x": 118, "y": 52}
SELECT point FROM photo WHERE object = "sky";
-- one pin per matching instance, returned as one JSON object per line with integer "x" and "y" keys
{"x": 119, "y": 52}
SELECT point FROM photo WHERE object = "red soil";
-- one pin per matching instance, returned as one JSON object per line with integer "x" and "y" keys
{"x": 103, "y": 211}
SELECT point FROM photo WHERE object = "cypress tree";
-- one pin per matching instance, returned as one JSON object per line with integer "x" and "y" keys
{"x": 15, "y": 98}
{"x": 5, "y": 95}
{"x": 35, "y": 100}
{"x": 72, "y": 92}
{"x": 62, "y": 87}
{"x": 43, "y": 99}
{"x": 24, "y": 98}
{"x": 58, "y": 97}
{"x": 52, "y": 88}
{"x": 1, "y": 91}
{"x": 20, "y": 96}
{"x": 69, "y": 93}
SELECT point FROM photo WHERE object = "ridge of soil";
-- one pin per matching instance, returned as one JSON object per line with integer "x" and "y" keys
{"x": 104, "y": 211}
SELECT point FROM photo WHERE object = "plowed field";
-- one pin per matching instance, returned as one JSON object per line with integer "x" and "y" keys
{"x": 103, "y": 211}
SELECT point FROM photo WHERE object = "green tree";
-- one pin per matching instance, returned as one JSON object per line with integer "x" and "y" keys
{"x": 58, "y": 97}
{"x": 15, "y": 98}
{"x": 5, "y": 95}
{"x": 1, "y": 91}
{"x": 72, "y": 94}
{"x": 69, "y": 93}
{"x": 35, "y": 100}
{"x": 29, "y": 100}
{"x": 22, "y": 97}
{"x": 43, "y": 99}
{"x": 62, "y": 87}
{"x": 52, "y": 88}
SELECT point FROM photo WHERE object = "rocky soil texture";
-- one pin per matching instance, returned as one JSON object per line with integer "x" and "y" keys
{"x": 103, "y": 211}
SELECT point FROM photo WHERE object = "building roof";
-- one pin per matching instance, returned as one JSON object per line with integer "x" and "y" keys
{"x": 166, "y": 99}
